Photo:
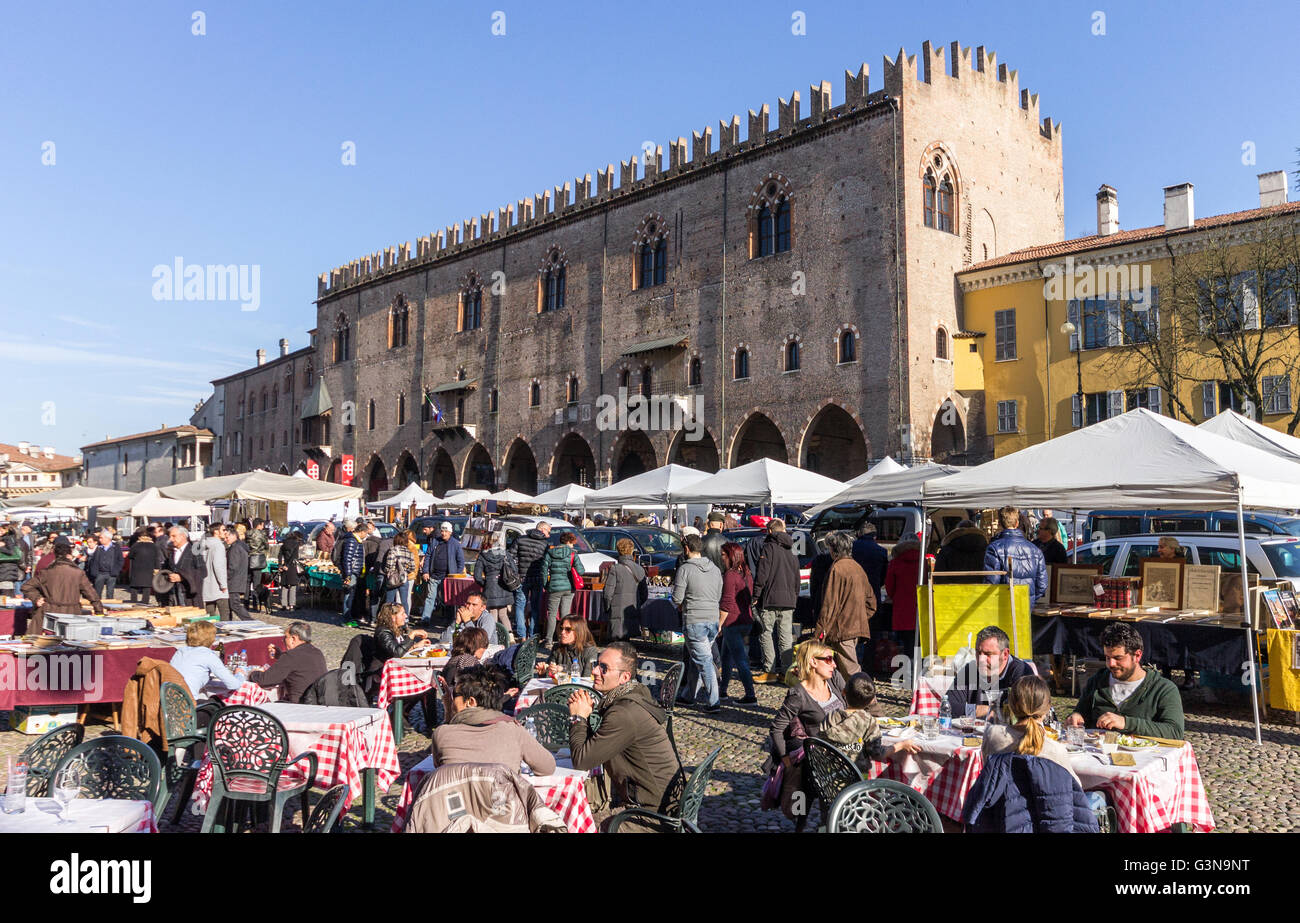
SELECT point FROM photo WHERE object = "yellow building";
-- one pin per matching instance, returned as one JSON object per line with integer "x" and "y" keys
{"x": 1140, "y": 303}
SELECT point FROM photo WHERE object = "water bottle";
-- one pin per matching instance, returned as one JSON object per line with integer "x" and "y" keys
{"x": 945, "y": 713}
{"x": 530, "y": 725}
{"x": 575, "y": 669}
{"x": 15, "y": 800}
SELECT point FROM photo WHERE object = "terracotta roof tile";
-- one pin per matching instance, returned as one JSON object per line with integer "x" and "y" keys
{"x": 183, "y": 430}
{"x": 38, "y": 460}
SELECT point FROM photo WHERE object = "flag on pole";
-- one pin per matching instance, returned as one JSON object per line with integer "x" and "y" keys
{"x": 437, "y": 411}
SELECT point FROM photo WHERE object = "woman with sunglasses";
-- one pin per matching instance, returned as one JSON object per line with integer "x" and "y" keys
{"x": 818, "y": 695}
{"x": 576, "y": 643}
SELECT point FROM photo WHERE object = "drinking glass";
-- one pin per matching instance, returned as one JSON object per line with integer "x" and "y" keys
{"x": 66, "y": 788}
{"x": 929, "y": 727}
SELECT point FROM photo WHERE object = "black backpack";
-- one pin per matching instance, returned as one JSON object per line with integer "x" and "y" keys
{"x": 333, "y": 689}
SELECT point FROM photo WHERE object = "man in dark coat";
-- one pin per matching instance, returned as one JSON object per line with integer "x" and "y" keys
{"x": 1048, "y": 543}
{"x": 995, "y": 672}
{"x": 871, "y": 557}
{"x": 187, "y": 569}
{"x": 962, "y": 550}
{"x": 237, "y": 575}
{"x": 776, "y": 586}
{"x": 713, "y": 540}
{"x": 529, "y": 550}
{"x": 61, "y": 586}
{"x": 294, "y": 671}
{"x": 1011, "y": 552}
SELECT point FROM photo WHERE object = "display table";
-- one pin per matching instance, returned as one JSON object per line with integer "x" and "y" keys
{"x": 85, "y": 815}
{"x": 1175, "y": 645}
{"x": 456, "y": 590}
{"x": 13, "y": 621}
{"x": 564, "y": 791}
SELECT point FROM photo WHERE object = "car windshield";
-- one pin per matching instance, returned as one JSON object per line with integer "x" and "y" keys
{"x": 580, "y": 546}
{"x": 835, "y": 519}
{"x": 1285, "y": 558}
{"x": 659, "y": 542}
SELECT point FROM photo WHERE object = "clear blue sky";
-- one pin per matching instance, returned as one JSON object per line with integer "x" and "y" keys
{"x": 226, "y": 147}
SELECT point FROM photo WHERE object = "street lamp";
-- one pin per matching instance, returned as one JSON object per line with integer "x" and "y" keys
{"x": 1069, "y": 329}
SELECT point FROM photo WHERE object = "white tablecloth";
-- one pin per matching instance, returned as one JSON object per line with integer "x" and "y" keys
{"x": 84, "y": 815}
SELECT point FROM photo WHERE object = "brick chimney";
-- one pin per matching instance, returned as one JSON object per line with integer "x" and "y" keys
{"x": 1107, "y": 211}
{"x": 261, "y": 357}
{"x": 1180, "y": 210}
{"x": 284, "y": 347}
{"x": 1272, "y": 188}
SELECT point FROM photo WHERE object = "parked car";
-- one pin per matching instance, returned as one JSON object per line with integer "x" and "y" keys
{"x": 434, "y": 522}
{"x": 790, "y": 515}
{"x": 655, "y": 547}
{"x": 893, "y": 523}
{"x": 1116, "y": 523}
{"x": 1271, "y": 557}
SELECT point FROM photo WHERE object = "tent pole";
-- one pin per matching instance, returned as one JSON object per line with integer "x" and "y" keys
{"x": 920, "y": 580}
{"x": 1245, "y": 608}
{"x": 1074, "y": 535}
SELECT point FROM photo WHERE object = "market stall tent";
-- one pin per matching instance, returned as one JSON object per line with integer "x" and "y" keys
{"x": 78, "y": 497}
{"x": 1243, "y": 430}
{"x": 465, "y": 497}
{"x": 260, "y": 485}
{"x": 651, "y": 487}
{"x": 886, "y": 465}
{"x": 1138, "y": 460}
{"x": 899, "y": 487}
{"x": 568, "y": 497}
{"x": 510, "y": 496}
{"x": 413, "y": 495}
{"x": 764, "y": 481}
{"x": 151, "y": 503}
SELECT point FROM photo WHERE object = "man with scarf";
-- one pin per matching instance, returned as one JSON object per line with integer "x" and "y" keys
{"x": 632, "y": 743}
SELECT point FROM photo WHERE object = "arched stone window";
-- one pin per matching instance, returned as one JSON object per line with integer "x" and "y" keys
{"x": 552, "y": 282}
{"x": 771, "y": 217}
{"x": 471, "y": 303}
{"x": 940, "y": 185}
{"x": 650, "y": 263}
{"x": 398, "y": 323}
{"x": 941, "y": 344}
{"x": 342, "y": 339}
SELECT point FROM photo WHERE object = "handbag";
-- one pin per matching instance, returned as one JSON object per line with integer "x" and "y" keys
{"x": 256, "y": 562}
{"x": 574, "y": 577}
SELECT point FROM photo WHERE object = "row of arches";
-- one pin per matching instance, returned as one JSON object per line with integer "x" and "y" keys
{"x": 833, "y": 443}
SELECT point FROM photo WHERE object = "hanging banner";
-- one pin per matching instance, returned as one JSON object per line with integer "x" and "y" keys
{"x": 313, "y": 470}
{"x": 347, "y": 467}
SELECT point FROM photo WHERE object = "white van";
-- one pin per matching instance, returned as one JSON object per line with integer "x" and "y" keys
{"x": 589, "y": 560}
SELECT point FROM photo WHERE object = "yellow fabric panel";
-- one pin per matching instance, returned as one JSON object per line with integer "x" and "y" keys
{"x": 964, "y": 608}
{"x": 1283, "y": 681}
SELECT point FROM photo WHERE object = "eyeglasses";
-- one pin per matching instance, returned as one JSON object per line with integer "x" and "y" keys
{"x": 603, "y": 668}
{"x": 566, "y": 629}
{"x": 829, "y": 658}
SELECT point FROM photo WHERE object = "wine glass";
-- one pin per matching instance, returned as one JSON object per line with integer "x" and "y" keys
{"x": 66, "y": 788}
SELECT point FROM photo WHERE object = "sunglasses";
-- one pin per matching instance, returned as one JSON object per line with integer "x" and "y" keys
{"x": 603, "y": 668}
{"x": 829, "y": 658}
{"x": 566, "y": 628}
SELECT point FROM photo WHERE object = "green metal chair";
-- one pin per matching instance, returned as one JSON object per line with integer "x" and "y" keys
{"x": 830, "y": 771}
{"x": 503, "y": 635}
{"x": 882, "y": 806}
{"x": 184, "y": 743}
{"x": 325, "y": 816}
{"x": 559, "y": 695}
{"x": 44, "y": 753}
{"x": 116, "y": 767}
{"x": 680, "y": 814}
{"x": 666, "y": 695}
{"x": 525, "y": 661}
{"x": 249, "y": 749}
{"x": 552, "y": 721}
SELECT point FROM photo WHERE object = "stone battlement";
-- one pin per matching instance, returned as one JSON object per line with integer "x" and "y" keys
{"x": 901, "y": 80}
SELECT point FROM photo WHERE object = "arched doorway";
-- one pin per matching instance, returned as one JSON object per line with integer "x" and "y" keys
{"x": 284, "y": 469}
{"x": 442, "y": 474}
{"x": 521, "y": 468}
{"x": 335, "y": 475}
{"x": 633, "y": 455}
{"x": 834, "y": 446}
{"x": 479, "y": 471}
{"x": 376, "y": 479}
{"x": 574, "y": 462}
{"x": 700, "y": 454}
{"x": 758, "y": 438}
{"x": 948, "y": 438}
{"x": 408, "y": 472}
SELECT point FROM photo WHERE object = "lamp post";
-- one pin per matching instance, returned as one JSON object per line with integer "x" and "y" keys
{"x": 1069, "y": 330}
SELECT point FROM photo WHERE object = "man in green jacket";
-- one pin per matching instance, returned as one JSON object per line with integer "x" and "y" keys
{"x": 1125, "y": 697}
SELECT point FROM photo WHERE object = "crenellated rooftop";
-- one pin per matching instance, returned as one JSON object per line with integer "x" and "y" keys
{"x": 647, "y": 169}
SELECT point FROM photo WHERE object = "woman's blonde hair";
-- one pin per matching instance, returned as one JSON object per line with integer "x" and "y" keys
{"x": 625, "y": 546}
{"x": 241, "y": 531}
{"x": 1030, "y": 700}
{"x": 808, "y": 652}
{"x": 200, "y": 634}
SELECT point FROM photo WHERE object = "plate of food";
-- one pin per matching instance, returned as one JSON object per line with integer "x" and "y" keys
{"x": 1127, "y": 742}
{"x": 894, "y": 722}
{"x": 969, "y": 724}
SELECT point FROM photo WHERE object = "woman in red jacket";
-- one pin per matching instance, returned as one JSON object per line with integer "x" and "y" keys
{"x": 737, "y": 604}
{"x": 900, "y": 584}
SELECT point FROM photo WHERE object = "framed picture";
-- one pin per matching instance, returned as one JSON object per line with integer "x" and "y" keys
{"x": 1162, "y": 583}
{"x": 1201, "y": 587}
{"x": 1072, "y": 583}
{"x": 1291, "y": 607}
{"x": 1273, "y": 599}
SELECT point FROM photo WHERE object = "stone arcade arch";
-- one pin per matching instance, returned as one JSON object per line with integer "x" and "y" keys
{"x": 833, "y": 445}
{"x": 633, "y": 454}
{"x": 758, "y": 437}
{"x": 948, "y": 437}
{"x": 442, "y": 474}
{"x": 521, "y": 468}
{"x": 701, "y": 454}
{"x": 573, "y": 463}
{"x": 406, "y": 472}
{"x": 376, "y": 479}
{"x": 479, "y": 473}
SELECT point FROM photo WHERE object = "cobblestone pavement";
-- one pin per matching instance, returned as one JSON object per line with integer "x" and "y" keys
{"x": 1250, "y": 788}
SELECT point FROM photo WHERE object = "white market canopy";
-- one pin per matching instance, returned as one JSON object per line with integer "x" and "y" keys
{"x": 763, "y": 481}
{"x": 1138, "y": 460}
{"x": 465, "y": 497}
{"x": 260, "y": 485}
{"x": 886, "y": 465}
{"x": 78, "y": 497}
{"x": 510, "y": 496}
{"x": 660, "y": 486}
{"x": 568, "y": 497}
{"x": 899, "y": 487}
{"x": 149, "y": 503}
{"x": 412, "y": 495}
{"x": 1231, "y": 425}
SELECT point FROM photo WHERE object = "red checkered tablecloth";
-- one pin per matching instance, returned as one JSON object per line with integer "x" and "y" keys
{"x": 249, "y": 694}
{"x": 565, "y": 793}
{"x": 1148, "y": 799}
{"x": 925, "y": 701}
{"x": 401, "y": 679}
{"x": 345, "y": 740}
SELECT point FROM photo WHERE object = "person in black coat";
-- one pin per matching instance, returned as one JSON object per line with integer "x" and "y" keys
{"x": 237, "y": 574}
{"x": 962, "y": 550}
{"x": 187, "y": 570}
{"x": 1047, "y": 542}
{"x": 142, "y": 560}
{"x": 289, "y": 574}
{"x": 391, "y": 637}
{"x": 296, "y": 668}
{"x": 871, "y": 557}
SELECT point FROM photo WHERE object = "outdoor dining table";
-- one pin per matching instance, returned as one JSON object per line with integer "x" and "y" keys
{"x": 564, "y": 791}
{"x": 532, "y": 693}
{"x": 354, "y": 747}
{"x": 85, "y": 815}
{"x": 1163, "y": 789}
{"x": 13, "y": 620}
